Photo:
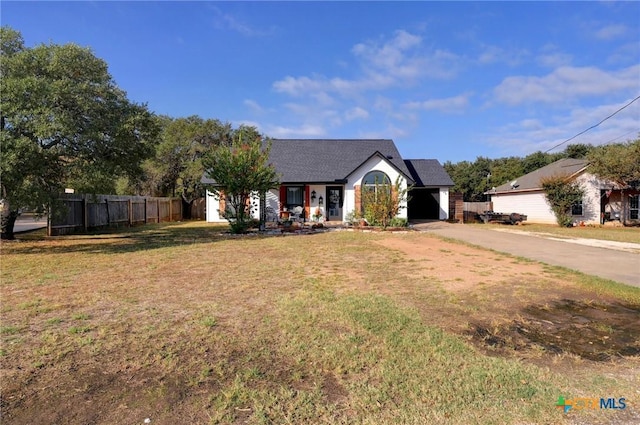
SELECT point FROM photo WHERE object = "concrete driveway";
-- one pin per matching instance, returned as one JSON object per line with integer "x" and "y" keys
{"x": 604, "y": 261}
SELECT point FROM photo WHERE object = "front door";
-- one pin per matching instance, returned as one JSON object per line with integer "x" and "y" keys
{"x": 334, "y": 203}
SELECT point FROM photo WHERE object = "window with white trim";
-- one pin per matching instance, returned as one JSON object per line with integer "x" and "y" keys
{"x": 634, "y": 201}
{"x": 577, "y": 209}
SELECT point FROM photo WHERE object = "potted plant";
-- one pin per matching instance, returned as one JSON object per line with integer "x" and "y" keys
{"x": 317, "y": 215}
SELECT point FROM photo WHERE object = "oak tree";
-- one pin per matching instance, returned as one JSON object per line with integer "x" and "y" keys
{"x": 64, "y": 123}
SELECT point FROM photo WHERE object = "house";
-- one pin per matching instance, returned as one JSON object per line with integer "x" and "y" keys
{"x": 327, "y": 175}
{"x": 602, "y": 201}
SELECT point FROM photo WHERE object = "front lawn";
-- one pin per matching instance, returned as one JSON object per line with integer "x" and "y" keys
{"x": 182, "y": 323}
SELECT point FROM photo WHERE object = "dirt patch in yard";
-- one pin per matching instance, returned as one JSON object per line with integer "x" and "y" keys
{"x": 518, "y": 307}
{"x": 594, "y": 331}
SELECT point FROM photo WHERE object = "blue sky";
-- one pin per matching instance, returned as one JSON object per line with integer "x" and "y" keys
{"x": 444, "y": 80}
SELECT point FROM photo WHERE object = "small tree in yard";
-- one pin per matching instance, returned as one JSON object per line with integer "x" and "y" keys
{"x": 382, "y": 202}
{"x": 240, "y": 170}
{"x": 561, "y": 194}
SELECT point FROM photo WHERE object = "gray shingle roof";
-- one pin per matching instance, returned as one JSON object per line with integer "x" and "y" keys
{"x": 328, "y": 160}
{"x": 531, "y": 181}
{"x": 428, "y": 173}
{"x": 333, "y": 160}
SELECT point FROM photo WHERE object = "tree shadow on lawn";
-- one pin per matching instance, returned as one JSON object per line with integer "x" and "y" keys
{"x": 132, "y": 239}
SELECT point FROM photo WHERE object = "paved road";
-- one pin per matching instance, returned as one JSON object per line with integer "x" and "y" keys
{"x": 603, "y": 262}
{"x": 27, "y": 223}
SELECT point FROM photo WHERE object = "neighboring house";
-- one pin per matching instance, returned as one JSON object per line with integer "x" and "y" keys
{"x": 602, "y": 201}
{"x": 327, "y": 176}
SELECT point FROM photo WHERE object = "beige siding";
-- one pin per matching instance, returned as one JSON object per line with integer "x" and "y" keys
{"x": 591, "y": 199}
{"x": 535, "y": 206}
{"x": 532, "y": 204}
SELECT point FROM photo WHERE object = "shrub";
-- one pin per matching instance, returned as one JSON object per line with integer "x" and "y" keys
{"x": 561, "y": 194}
{"x": 398, "y": 222}
{"x": 383, "y": 202}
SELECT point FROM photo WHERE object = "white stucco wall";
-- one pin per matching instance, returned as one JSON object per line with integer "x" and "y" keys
{"x": 444, "y": 203}
{"x": 355, "y": 179}
{"x": 321, "y": 191}
{"x": 213, "y": 208}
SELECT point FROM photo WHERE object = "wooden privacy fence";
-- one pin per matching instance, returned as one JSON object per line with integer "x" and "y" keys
{"x": 456, "y": 207}
{"x": 471, "y": 209}
{"x": 79, "y": 213}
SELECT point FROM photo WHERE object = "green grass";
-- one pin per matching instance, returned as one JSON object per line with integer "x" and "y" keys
{"x": 616, "y": 234}
{"x": 398, "y": 369}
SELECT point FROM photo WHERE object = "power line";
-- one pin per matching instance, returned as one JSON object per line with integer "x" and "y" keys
{"x": 620, "y": 137}
{"x": 592, "y": 127}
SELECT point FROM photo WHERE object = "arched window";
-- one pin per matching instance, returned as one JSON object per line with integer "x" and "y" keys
{"x": 373, "y": 178}
{"x": 372, "y": 183}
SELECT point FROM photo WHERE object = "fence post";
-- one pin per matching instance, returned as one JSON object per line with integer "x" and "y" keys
{"x": 158, "y": 207}
{"x": 130, "y": 212}
{"x": 50, "y": 212}
{"x": 146, "y": 217}
{"x": 85, "y": 213}
{"x": 170, "y": 209}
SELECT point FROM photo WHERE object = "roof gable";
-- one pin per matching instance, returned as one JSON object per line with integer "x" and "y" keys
{"x": 428, "y": 173}
{"x": 387, "y": 160}
{"x": 329, "y": 160}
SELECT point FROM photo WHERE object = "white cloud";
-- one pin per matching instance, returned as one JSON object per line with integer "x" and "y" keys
{"x": 382, "y": 103}
{"x": 356, "y": 113}
{"x": 529, "y": 135}
{"x": 530, "y": 124}
{"x": 298, "y": 86}
{"x": 611, "y": 32}
{"x": 253, "y": 105}
{"x": 490, "y": 54}
{"x": 323, "y": 99}
{"x": 625, "y": 54}
{"x": 449, "y": 104}
{"x": 399, "y": 61}
{"x": 390, "y": 131}
{"x": 554, "y": 60}
{"x": 567, "y": 83}
{"x": 248, "y": 123}
{"x": 391, "y": 56}
{"x": 310, "y": 110}
{"x": 223, "y": 20}
{"x": 550, "y": 56}
{"x": 304, "y": 131}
